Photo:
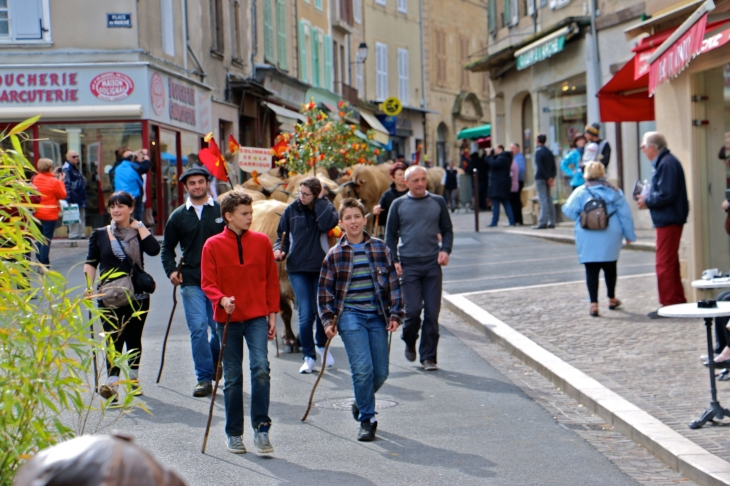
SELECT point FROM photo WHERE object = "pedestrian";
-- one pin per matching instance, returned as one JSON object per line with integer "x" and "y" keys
{"x": 118, "y": 159}
{"x": 516, "y": 198}
{"x": 669, "y": 207}
{"x": 599, "y": 249}
{"x": 128, "y": 178}
{"x": 500, "y": 184}
{"x": 514, "y": 195}
{"x": 478, "y": 161}
{"x": 412, "y": 236}
{"x": 113, "y": 249}
{"x": 306, "y": 223}
{"x": 572, "y": 165}
{"x": 544, "y": 182}
{"x": 52, "y": 189}
{"x": 240, "y": 277}
{"x": 75, "y": 193}
{"x": 190, "y": 226}
{"x": 397, "y": 189}
{"x": 450, "y": 181}
{"x": 359, "y": 284}
{"x": 593, "y": 134}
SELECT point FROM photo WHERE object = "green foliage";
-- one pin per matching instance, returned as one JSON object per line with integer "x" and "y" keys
{"x": 47, "y": 351}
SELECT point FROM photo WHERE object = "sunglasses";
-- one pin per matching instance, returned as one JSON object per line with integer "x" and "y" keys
{"x": 74, "y": 157}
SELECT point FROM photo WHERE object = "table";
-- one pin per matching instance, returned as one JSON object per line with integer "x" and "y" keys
{"x": 715, "y": 283}
{"x": 691, "y": 311}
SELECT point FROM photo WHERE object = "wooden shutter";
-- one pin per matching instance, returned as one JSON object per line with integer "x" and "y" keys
{"x": 315, "y": 58}
{"x": 281, "y": 37}
{"x": 269, "y": 54}
{"x": 328, "y": 69}
{"x": 303, "y": 52}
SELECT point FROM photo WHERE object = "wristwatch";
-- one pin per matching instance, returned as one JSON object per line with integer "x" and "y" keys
{"x": 140, "y": 224}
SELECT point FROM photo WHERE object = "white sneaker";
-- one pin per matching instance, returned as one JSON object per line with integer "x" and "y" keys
{"x": 307, "y": 366}
{"x": 330, "y": 359}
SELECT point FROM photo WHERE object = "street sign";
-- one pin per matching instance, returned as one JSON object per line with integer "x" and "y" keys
{"x": 254, "y": 159}
{"x": 117, "y": 20}
{"x": 392, "y": 106}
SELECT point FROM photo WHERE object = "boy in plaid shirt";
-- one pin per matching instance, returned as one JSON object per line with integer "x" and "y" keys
{"x": 359, "y": 284}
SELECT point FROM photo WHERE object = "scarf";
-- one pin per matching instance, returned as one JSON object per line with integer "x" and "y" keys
{"x": 128, "y": 238}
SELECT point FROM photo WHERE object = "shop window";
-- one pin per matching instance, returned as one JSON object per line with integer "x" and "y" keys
{"x": 24, "y": 21}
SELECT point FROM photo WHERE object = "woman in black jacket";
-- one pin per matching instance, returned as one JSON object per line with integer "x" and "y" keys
{"x": 500, "y": 184}
{"x": 131, "y": 239}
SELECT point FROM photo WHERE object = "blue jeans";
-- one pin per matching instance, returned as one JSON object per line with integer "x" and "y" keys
{"x": 496, "y": 201}
{"x": 255, "y": 331}
{"x": 199, "y": 315}
{"x": 304, "y": 285}
{"x": 44, "y": 248}
{"x": 366, "y": 343}
{"x": 547, "y": 208}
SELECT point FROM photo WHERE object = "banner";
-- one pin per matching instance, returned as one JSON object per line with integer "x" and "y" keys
{"x": 252, "y": 159}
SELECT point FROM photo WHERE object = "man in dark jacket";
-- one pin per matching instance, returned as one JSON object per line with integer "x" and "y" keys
{"x": 668, "y": 204}
{"x": 545, "y": 171}
{"x": 397, "y": 189}
{"x": 479, "y": 163}
{"x": 191, "y": 225}
{"x": 500, "y": 184}
{"x": 75, "y": 193}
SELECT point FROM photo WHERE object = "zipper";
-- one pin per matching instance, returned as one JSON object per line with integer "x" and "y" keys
{"x": 240, "y": 248}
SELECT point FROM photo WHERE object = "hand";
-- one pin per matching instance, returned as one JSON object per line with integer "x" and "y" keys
{"x": 376, "y": 210}
{"x": 176, "y": 278}
{"x": 279, "y": 255}
{"x": 641, "y": 201}
{"x": 392, "y": 325}
{"x": 272, "y": 326}
{"x": 725, "y": 204}
{"x": 88, "y": 294}
{"x": 134, "y": 224}
{"x": 399, "y": 269}
{"x": 228, "y": 304}
{"x": 330, "y": 331}
{"x": 443, "y": 258}
{"x": 628, "y": 241}
{"x": 551, "y": 182}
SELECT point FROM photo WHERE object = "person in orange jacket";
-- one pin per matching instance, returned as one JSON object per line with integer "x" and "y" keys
{"x": 52, "y": 188}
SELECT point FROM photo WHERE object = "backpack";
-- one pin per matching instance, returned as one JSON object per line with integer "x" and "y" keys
{"x": 595, "y": 214}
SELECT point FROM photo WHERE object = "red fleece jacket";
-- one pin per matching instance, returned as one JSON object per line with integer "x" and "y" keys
{"x": 243, "y": 267}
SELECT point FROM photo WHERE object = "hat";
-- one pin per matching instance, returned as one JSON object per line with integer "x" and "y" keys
{"x": 594, "y": 129}
{"x": 194, "y": 171}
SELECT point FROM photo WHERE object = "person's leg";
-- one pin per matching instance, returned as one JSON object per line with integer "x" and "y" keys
{"x": 132, "y": 334}
{"x": 197, "y": 317}
{"x": 302, "y": 290}
{"x": 453, "y": 196}
{"x": 667, "y": 265}
{"x": 542, "y": 194}
{"x": 495, "y": 211}
{"x": 378, "y": 339}
{"x": 508, "y": 210}
{"x": 44, "y": 248}
{"x": 353, "y": 330}
{"x": 233, "y": 374}
{"x": 610, "y": 274}
{"x": 721, "y": 340}
{"x": 112, "y": 328}
{"x": 593, "y": 271}
{"x": 518, "y": 198}
{"x": 320, "y": 338}
{"x": 550, "y": 205}
{"x": 256, "y": 333}
{"x": 411, "y": 287}
{"x": 82, "y": 222}
{"x": 431, "y": 295}
{"x": 215, "y": 345}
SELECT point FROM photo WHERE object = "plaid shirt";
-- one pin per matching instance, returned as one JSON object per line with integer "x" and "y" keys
{"x": 334, "y": 280}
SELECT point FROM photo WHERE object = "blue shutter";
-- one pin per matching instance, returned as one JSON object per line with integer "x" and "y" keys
{"x": 281, "y": 41}
{"x": 314, "y": 35}
{"x": 268, "y": 32}
{"x": 302, "y": 52}
{"x": 328, "y": 62}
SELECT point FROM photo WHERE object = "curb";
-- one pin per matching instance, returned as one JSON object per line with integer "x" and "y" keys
{"x": 641, "y": 246}
{"x": 669, "y": 446}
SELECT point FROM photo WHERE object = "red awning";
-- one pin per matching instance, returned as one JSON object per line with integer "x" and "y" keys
{"x": 625, "y": 99}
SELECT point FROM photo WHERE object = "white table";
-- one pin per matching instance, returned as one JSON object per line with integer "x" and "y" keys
{"x": 691, "y": 311}
{"x": 715, "y": 283}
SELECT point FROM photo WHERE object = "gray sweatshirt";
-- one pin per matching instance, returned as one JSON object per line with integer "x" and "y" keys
{"x": 413, "y": 228}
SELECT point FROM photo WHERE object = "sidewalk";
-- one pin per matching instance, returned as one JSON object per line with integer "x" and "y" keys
{"x": 654, "y": 365}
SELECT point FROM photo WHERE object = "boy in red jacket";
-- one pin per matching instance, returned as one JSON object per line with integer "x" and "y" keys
{"x": 239, "y": 276}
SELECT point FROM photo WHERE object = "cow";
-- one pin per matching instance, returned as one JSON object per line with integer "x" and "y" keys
{"x": 366, "y": 183}
{"x": 434, "y": 176}
{"x": 268, "y": 185}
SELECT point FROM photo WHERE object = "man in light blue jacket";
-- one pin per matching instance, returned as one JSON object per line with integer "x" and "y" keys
{"x": 599, "y": 249}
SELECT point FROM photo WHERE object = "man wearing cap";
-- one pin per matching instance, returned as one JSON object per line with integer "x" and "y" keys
{"x": 593, "y": 134}
{"x": 191, "y": 225}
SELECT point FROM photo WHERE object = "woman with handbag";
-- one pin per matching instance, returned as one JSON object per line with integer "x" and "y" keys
{"x": 117, "y": 248}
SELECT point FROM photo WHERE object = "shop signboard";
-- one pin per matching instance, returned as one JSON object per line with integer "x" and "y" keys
{"x": 678, "y": 55}
{"x": 177, "y": 102}
{"x": 252, "y": 159}
{"x": 541, "y": 52}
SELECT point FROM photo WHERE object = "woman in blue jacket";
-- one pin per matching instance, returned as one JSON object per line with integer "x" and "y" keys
{"x": 570, "y": 165}
{"x": 599, "y": 249}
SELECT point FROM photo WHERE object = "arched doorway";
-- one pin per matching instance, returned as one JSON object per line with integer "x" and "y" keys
{"x": 528, "y": 135}
{"x": 442, "y": 134}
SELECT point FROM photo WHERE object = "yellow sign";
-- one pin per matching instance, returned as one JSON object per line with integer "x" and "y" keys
{"x": 392, "y": 106}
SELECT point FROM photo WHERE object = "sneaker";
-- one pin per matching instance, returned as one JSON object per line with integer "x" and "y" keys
{"x": 234, "y": 444}
{"x": 203, "y": 389}
{"x": 410, "y": 353}
{"x": 355, "y": 411}
{"x": 307, "y": 366}
{"x": 330, "y": 359}
{"x": 367, "y": 431}
{"x": 261, "y": 440}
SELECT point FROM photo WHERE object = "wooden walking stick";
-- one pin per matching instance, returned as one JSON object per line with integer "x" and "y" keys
{"x": 215, "y": 387}
{"x": 321, "y": 370}
{"x": 169, "y": 323}
{"x": 276, "y": 329}
{"x": 376, "y": 230}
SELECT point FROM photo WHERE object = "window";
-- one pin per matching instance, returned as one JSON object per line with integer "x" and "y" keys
{"x": 507, "y": 15}
{"x": 328, "y": 62}
{"x": 402, "y": 6}
{"x": 485, "y": 75}
{"x": 303, "y": 34}
{"x": 492, "y": 13}
{"x": 381, "y": 71}
{"x": 345, "y": 11}
{"x": 380, "y": 2}
{"x": 440, "y": 49}
{"x": 269, "y": 53}
{"x": 318, "y": 4}
{"x": 463, "y": 60}
{"x": 357, "y": 11}
{"x": 168, "y": 27}
{"x": 216, "y": 17}
{"x": 515, "y": 11}
{"x": 360, "y": 76}
{"x": 316, "y": 67}
{"x": 236, "y": 31}
{"x": 403, "y": 74}
{"x": 281, "y": 37}
{"x": 24, "y": 20}
{"x": 530, "y": 7}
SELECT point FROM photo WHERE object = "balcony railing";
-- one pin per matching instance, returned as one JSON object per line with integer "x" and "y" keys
{"x": 347, "y": 92}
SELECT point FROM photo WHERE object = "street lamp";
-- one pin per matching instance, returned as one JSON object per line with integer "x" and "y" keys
{"x": 362, "y": 53}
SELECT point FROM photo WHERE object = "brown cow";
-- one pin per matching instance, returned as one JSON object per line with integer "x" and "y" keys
{"x": 367, "y": 183}
{"x": 434, "y": 176}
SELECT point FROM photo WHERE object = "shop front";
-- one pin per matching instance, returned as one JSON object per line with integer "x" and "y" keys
{"x": 95, "y": 109}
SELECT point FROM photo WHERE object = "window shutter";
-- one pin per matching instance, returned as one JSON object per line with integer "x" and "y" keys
{"x": 281, "y": 50}
{"x": 357, "y": 11}
{"x": 402, "y": 6}
{"x": 507, "y": 16}
{"x": 381, "y": 70}
{"x": 302, "y": 52}
{"x": 403, "y": 75}
{"x": 168, "y": 27}
{"x": 27, "y": 19}
{"x": 328, "y": 69}
{"x": 318, "y": 4}
{"x": 492, "y": 16}
{"x": 315, "y": 58}
{"x": 268, "y": 32}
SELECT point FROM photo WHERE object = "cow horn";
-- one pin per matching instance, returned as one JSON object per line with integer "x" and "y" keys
{"x": 268, "y": 191}
{"x": 344, "y": 185}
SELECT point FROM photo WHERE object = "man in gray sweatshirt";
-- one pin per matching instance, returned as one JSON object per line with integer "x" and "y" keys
{"x": 414, "y": 223}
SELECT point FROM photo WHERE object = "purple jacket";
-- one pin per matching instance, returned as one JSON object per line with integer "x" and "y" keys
{"x": 514, "y": 172}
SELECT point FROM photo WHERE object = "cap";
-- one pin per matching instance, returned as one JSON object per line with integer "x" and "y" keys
{"x": 594, "y": 129}
{"x": 197, "y": 170}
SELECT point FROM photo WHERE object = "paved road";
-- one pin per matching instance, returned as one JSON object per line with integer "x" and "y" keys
{"x": 465, "y": 424}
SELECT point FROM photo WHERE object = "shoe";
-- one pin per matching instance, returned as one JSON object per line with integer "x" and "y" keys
{"x": 307, "y": 366}
{"x": 367, "y": 431}
{"x": 540, "y": 226}
{"x": 551, "y": 226}
{"x": 203, "y": 389}
{"x": 410, "y": 353}
{"x": 108, "y": 391}
{"x": 507, "y": 225}
{"x": 234, "y": 444}
{"x": 613, "y": 304}
{"x": 330, "y": 359}
{"x": 721, "y": 364}
{"x": 355, "y": 411}
{"x": 594, "y": 310}
{"x": 491, "y": 225}
{"x": 655, "y": 315}
{"x": 704, "y": 358}
{"x": 261, "y": 440}
{"x": 429, "y": 365}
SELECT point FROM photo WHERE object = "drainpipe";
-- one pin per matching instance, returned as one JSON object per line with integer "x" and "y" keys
{"x": 254, "y": 39}
{"x": 296, "y": 38}
{"x": 593, "y": 100}
{"x": 423, "y": 62}
{"x": 198, "y": 67}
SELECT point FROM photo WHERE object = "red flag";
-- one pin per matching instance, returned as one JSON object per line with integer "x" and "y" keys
{"x": 213, "y": 160}
{"x": 233, "y": 146}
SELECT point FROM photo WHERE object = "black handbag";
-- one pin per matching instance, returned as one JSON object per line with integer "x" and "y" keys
{"x": 142, "y": 281}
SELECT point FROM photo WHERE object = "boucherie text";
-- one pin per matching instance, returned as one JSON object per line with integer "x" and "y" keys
{"x": 38, "y": 87}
